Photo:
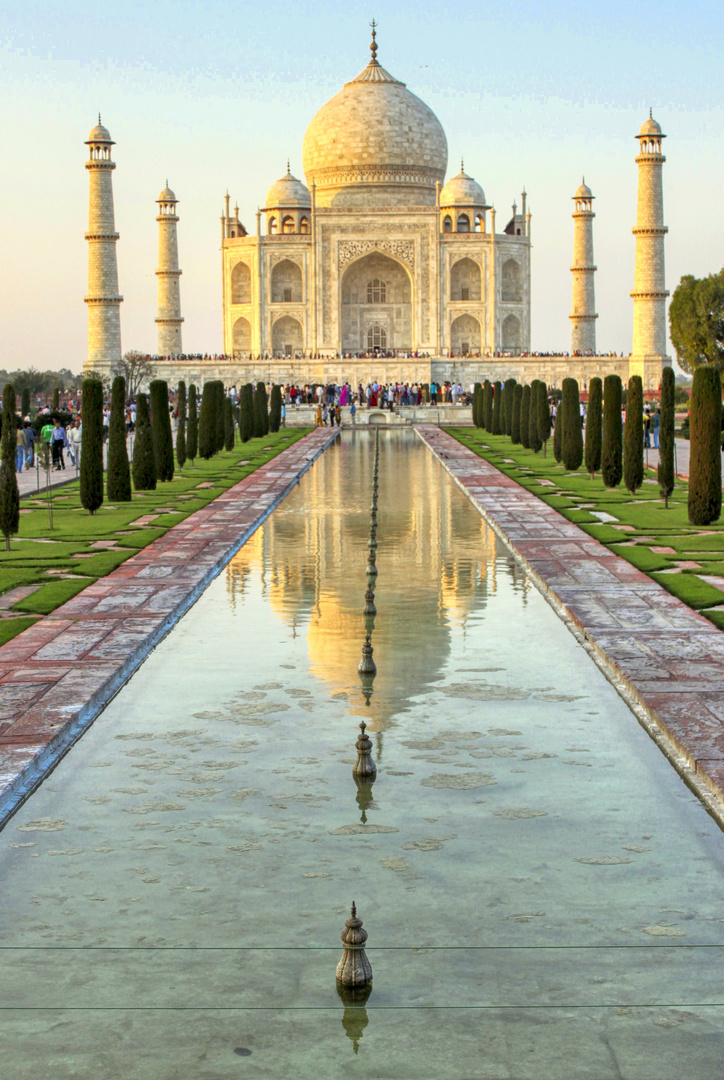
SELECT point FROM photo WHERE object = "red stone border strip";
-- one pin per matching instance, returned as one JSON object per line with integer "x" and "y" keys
{"x": 663, "y": 658}
{"x": 57, "y": 676}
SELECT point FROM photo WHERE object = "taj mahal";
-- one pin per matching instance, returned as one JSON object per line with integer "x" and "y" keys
{"x": 379, "y": 267}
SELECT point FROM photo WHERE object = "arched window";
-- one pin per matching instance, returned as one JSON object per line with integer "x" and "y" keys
{"x": 272, "y": 226}
{"x": 288, "y": 224}
{"x": 463, "y": 223}
{"x": 447, "y": 224}
{"x": 376, "y": 337}
{"x": 241, "y": 284}
{"x": 479, "y": 223}
{"x": 376, "y": 292}
{"x": 512, "y": 283}
{"x": 304, "y": 226}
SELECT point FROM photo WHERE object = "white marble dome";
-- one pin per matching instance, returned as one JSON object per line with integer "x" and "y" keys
{"x": 649, "y": 127}
{"x": 583, "y": 191}
{"x": 375, "y": 143}
{"x": 100, "y": 134}
{"x": 462, "y": 190}
{"x": 167, "y": 195}
{"x": 288, "y": 192}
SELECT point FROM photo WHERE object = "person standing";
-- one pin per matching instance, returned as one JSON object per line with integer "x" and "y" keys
{"x": 655, "y": 426}
{"x": 58, "y": 442}
{"x": 75, "y": 439}
{"x": 29, "y": 444}
{"x": 20, "y": 448}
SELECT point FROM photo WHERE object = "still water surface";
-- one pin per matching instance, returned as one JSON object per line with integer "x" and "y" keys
{"x": 543, "y": 895}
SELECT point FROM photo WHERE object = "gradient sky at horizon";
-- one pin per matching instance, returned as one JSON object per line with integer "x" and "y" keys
{"x": 218, "y": 95}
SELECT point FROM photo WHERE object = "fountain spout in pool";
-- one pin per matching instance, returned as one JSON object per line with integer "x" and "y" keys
{"x": 364, "y": 765}
{"x": 354, "y": 969}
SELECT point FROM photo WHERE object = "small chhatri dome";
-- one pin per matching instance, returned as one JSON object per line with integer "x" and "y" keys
{"x": 167, "y": 195}
{"x": 583, "y": 191}
{"x": 100, "y": 134}
{"x": 462, "y": 190}
{"x": 650, "y": 127}
{"x": 288, "y": 192}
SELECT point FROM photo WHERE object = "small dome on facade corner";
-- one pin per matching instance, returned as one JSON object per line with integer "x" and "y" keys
{"x": 583, "y": 191}
{"x": 462, "y": 190}
{"x": 100, "y": 134}
{"x": 167, "y": 195}
{"x": 650, "y": 127}
{"x": 288, "y": 192}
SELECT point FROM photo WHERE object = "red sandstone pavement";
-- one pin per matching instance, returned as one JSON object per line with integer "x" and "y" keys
{"x": 56, "y": 676}
{"x": 670, "y": 659}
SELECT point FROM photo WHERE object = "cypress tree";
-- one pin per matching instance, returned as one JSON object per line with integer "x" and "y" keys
{"x": 515, "y": 418}
{"x": 144, "y": 462}
{"x": 275, "y": 411}
{"x": 534, "y": 440}
{"x": 487, "y": 406}
{"x": 25, "y": 402}
{"x": 543, "y": 415}
{"x": 229, "y": 429}
{"x": 558, "y": 435}
{"x": 612, "y": 446}
{"x": 571, "y": 431}
{"x": 181, "y": 430}
{"x": 246, "y": 412}
{"x": 525, "y": 417}
{"x": 477, "y": 398}
{"x": 161, "y": 428}
{"x": 594, "y": 426}
{"x": 705, "y": 446}
{"x": 91, "y": 459}
{"x": 666, "y": 474}
{"x": 633, "y": 436}
{"x": 207, "y": 422}
{"x": 56, "y": 399}
{"x": 220, "y": 414}
{"x": 118, "y": 474}
{"x": 510, "y": 385}
{"x": 9, "y": 494}
{"x": 261, "y": 419}
{"x": 496, "y": 428}
{"x": 192, "y": 440}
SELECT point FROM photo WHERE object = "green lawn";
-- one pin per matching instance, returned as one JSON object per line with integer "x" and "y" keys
{"x": 641, "y": 523}
{"x": 62, "y": 561}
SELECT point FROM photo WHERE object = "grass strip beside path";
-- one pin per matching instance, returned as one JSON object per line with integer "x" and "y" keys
{"x": 688, "y": 561}
{"x": 49, "y": 567}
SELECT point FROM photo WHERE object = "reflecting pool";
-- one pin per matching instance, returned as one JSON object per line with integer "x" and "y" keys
{"x": 544, "y": 896}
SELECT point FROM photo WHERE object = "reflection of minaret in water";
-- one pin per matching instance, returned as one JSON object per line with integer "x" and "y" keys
{"x": 355, "y": 1018}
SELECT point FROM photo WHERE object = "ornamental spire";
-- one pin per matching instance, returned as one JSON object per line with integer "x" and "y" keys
{"x": 373, "y": 46}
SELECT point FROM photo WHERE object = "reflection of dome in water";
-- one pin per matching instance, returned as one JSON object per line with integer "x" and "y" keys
{"x": 375, "y": 142}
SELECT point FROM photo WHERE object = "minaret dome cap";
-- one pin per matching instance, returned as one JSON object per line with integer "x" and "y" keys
{"x": 583, "y": 191}
{"x": 100, "y": 134}
{"x": 650, "y": 127}
{"x": 166, "y": 196}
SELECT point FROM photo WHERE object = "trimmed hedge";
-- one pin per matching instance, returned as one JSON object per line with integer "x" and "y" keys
{"x": 229, "y": 427}
{"x": 275, "y": 409}
{"x": 161, "y": 428}
{"x": 666, "y": 472}
{"x": 477, "y": 404}
{"x": 192, "y": 439}
{"x": 181, "y": 430}
{"x": 488, "y": 406}
{"x": 91, "y": 458}
{"x": 144, "y": 461}
{"x": 9, "y": 494}
{"x": 633, "y": 436}
{"x": 510, "y": 385}
{"x": 515, "y": 416}
{"x": 594, "y": 426}
{"x": 612, "y": 446}
{"x": 705, "y": 446}
{"x": 118, "y": 472}
{"x": 497, "y": 428}
{"x": 246, "y": 412}
{"x": 534, "y": 440}
{"x": 525, "y": 417}
{"x": 571, "y": 430}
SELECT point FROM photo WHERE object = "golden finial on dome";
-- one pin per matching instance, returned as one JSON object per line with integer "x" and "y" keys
{"x": 373, "y": 46}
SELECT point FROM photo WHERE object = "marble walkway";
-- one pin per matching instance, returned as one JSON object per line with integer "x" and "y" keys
{"x": 665, "y": 659}
{"x": 57, "y": 675}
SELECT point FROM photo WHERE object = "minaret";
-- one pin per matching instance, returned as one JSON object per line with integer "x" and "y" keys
{"x": 169, "y": 295}
{"x": 649, "y": 293}
{"x": 583, "y": 314}
{"x": 104, "y": 315}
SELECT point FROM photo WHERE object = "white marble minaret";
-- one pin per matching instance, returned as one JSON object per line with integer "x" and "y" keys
{"x": 649, "y": 292}
{"x": 583, "y": 312}
{"x": 103, "y": 300}
{"x": 169, "y": 294}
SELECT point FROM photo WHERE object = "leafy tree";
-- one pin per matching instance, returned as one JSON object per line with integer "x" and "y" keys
{"x": 534, "y": 440}
{"x": 25, "y": 402}
{"x": 246, "y": 412}
{"x": 510, "y": 385}
{"x": 612, "y": 448}
{"x": 144, "y": 461}
{"x": 261, "y": 419}
{"x": 515, "y": 418}
{"x": 571, "y": 431}
{"x": 633, "y": 436}
{"x": 594, "y": 426}
{"x": 558, "y": 434}
{"x": 207, "y": 422}
{"x": 137, "y": 369}
{"x": 192, "y": 440}
{"x": 543, "y": 414}
{"x": 9, "y": 494}
{"x": 229, "y": 429}
{"x": 118, "y": 473}
{"x": 696, "y": 318}
{"x": 181, "y": 430}
{"x": 91, "y": 459}
{"x": 525, "y": 417}
{"x": 666, "y": 474}
{"x": 705, "y": 447}
{"x": 32, "y": 380}
{"x": 275, "y": 409}
{"x": 161, "y": 428}
{"x": 477, "y": 402}
{"x": 497, "y": 428}
{"x": 487, "y": 405}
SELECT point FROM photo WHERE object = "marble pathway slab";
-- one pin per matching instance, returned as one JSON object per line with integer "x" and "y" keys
{"x": 58, "y": 674}
{"x": 668, "y": 658}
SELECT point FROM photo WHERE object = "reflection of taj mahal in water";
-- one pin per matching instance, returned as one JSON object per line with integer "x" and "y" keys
{"x": 377, "y": 252}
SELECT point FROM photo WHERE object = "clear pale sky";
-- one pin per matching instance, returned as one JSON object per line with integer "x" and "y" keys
{"x": 215, "y": 94}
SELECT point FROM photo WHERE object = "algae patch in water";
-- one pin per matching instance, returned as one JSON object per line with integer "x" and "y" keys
{"x": 463, "y": 781}
{"x": 515, "y": 813}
